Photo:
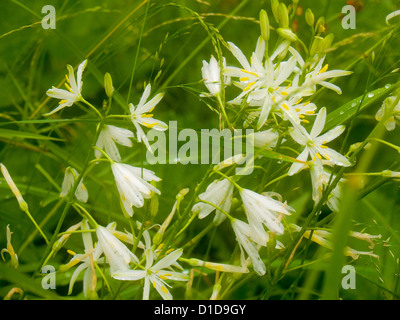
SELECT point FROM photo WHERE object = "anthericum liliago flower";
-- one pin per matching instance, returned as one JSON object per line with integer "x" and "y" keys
{"x": 117, "y": 254}
{"x": 262, "y": 210}
{"x": 218, "y": 193}
{"x": 74, "y": 86}
{"x": 88, "y": 259}
{"x": 247, "y": 244}
{"x": 154, "y": 274}
{"x": 211, "y": 73}
{"x": 390, "y": 123}
{"x": 141, "y": 116}
{"x": 315, "y": 144}
{"x": 133, "y": 186}
{"x": 109, "y": 136}
{"x": 71, "y": 175}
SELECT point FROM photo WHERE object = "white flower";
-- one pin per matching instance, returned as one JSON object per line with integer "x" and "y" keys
{"x": 218, "y": 193}
{"x": 133, "y": 186}
{"x": 320, "y": 179}
{"x": 315, "y": 144}
{"x": 243, "y": 234}
{"x": 318, "y": 76}
{"x": 88, "y": 259}
{"x": 74, "y": 86}
{"x": 265, "y": 139}
{"x": 263, "y": 210}
{"x": 140, "y": 115}
{"x": 390, "y": 123}
{"x": 211, "y": 73}
{"x": 70, "y": 176}
{"x": 117, "y": 254}
{"x": 154, "y": 274}
{"x": 108, "y": 137}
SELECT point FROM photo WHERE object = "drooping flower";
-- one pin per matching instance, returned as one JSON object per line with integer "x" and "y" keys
{"x": 74, "y": 86}
{"x": 247, "y": 244}
{"x": 211, "y": 73}
{"x": 108, "y": 137}
{"x": 133, "y": 186}
{"x": 141, "y": 116}
{"x": 218, "y": 193}
{"x": 154, "y": 274}
{"x": 263, "y": 210}
{"x": 70, "y": 176}
{"x": 117, "y": 254}
{"x": 390, "y": 123}
{"x": 314, "y": 143}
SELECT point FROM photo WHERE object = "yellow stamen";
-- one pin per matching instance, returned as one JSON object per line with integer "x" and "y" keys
{"x": 297, "y": 109}
{"x": 285, "y": 106}
{"x": 306, "y": 121}
{"x": 68, "y": 87}
{"x": 154, "y": 284}
{"x": 284, "y": 93}
{"x": 62, "y": 101}
{"x": 249, "y": 86}
{"x": 306, "y": 103}
{"x": 145, "y": 115}
{"x": 150, "y": 125}
{"x": 273, "y": 99}
{"x": 288, "y": 86}
{"x": 323, "y": 69}
{"x": 301, "y": 116}
{"x": 318, "y": 155}
{"x": 324, "y": 147}
{"x": 169, "y": 251}
{"x": 71, "y": 252}
{"x": 66, "y": 77}
{"x": 244, "y": 78}
{"x": 249, "y": 72}
{"x": 310, "y": 112}
{"x": 326, "y": 157}
{"x": 298, "y": 101}
{"x": 164, "y": 289}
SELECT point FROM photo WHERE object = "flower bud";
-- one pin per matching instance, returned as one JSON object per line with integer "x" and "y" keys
{"x": 108, "y": 85}
{"x": 275, "y": 9}
{"x": 264, "y": 25}
{"x": 283, "y": 16}
{"x": 310, "y": 17}
{"x": 320, "y": 26}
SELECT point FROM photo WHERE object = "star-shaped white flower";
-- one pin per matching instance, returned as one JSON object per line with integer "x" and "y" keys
{"x": 154, "y": 273}
{"x": 133, "y": 186}
{"x": 141, "y": 116}
{"x": 109, "y": 136}
{"x": 314, "y": 143}
{"x": 74, "y": 86}
{"x": 318, "y": 75}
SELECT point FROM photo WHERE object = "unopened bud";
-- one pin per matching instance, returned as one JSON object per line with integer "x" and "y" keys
{"x": 275, "y": 9}
{"x": 108, "y": 85}
{"x": 264, "y": 25}
{"x": 310, "y": 17}
{"x": 283, "y": 16}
